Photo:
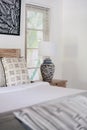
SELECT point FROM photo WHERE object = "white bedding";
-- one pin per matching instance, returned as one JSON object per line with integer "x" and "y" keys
{"x": 12, "y": 98}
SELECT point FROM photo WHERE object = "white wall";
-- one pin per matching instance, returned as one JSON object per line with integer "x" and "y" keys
{"x": 8, "y": 41}
{"x": 74, "y": 48}
{"x": 56, "y": 33}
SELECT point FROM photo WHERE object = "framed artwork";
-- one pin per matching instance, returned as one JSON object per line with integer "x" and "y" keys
{"x": 10, "y": 17}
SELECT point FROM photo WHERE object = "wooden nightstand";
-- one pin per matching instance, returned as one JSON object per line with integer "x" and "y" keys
{"x": 57, "y": 82}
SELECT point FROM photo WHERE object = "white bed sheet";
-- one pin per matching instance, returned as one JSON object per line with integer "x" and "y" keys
{"x": 12, "y": 98}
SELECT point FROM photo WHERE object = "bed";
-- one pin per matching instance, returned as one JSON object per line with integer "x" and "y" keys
{"x": 22, "y": 106}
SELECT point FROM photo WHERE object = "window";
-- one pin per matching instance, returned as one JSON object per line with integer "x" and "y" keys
{"x": 37, "y": 30}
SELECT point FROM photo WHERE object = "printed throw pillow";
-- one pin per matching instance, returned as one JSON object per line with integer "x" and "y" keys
{"x": 2, "y": 75}
{"x": 16, "y": 71}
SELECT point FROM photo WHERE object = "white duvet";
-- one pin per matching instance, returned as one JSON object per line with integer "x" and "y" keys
{"x": 12, "y": 98}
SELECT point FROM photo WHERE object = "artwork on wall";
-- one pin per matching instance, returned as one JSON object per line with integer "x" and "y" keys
{"x": 10, "y": 17}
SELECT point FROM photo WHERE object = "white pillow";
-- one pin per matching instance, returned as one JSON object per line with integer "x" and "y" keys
{"x": 16, "y": 71}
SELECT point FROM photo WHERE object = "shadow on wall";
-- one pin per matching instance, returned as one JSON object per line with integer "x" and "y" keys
{"x": 70, "y": 73}
{"x": 74, "y": 67}
{"x": 70, "y": 63}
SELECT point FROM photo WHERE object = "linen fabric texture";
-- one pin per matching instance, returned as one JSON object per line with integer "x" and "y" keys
{"x": 16, "y": 71}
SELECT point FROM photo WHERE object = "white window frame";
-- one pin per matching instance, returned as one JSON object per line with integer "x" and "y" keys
{"x": 45, "y": 30}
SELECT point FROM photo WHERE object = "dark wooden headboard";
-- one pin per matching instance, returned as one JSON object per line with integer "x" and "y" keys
{"x": 10, "y": 53}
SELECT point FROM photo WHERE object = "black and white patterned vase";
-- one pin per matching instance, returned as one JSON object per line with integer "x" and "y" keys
{"x": 47, "y": 70}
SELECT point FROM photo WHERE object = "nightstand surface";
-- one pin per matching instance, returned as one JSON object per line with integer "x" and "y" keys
{"x": 58, "y": 82}
{"x": 55, "y": 82}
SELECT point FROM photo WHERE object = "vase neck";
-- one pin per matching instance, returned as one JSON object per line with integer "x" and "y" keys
{"x": 47, "y": 61}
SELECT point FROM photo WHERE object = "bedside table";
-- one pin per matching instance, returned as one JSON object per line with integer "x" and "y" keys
{"x": 57, "y": 82}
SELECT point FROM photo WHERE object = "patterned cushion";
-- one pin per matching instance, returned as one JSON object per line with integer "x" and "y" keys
{"x": 16, "y": 71}
{"x": 2, "y": 75}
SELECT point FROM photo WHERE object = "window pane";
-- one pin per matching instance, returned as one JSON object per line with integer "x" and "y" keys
{"x": 32, "y": 58}
{"x": 36, "y": 30}
{"x": 34, "y": 74}
{"x": 33, "y": 38}
{"x": 34, "y": 20}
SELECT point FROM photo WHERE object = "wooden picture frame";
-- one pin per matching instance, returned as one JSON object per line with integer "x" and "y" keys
{"x": 10, "y": 11}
